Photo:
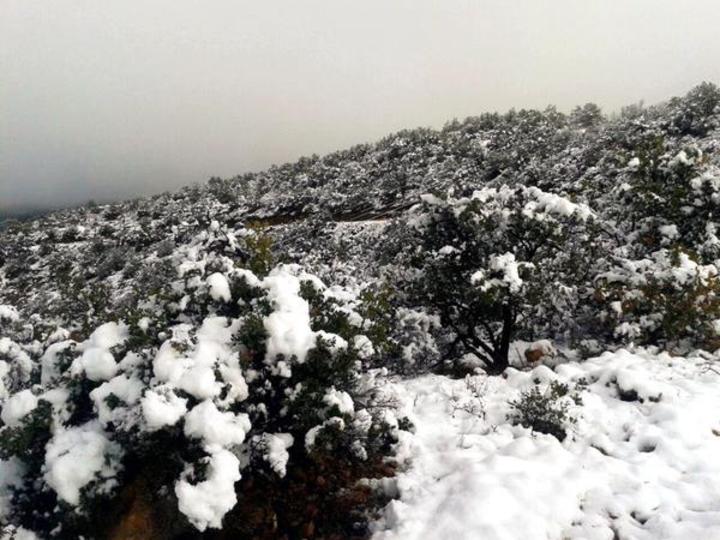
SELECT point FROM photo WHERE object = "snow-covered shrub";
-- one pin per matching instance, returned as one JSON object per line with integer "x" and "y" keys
{"x": 698, "y": 112}
{"x": 587, "y": 116}
{"x": 414, "y": 333}
{"x": 665, "y": 299}
{"x": 502, "y": 261}
{"x": 16, "y": 363}
{"x": 670, "y": 197}
{"x": 9, "y": 318}
{"x": 235, "y": 400}
{"x": 259, "y": 251}
{"x": 166, "y": 273}
{"x": 546, "y": 409}
{"x": 470, "y": 400}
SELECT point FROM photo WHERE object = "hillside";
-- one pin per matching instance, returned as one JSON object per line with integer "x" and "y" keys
{"x": 383, "y": 341}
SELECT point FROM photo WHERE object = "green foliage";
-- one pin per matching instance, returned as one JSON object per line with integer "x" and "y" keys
{"x": 662, "y": 191}
{"x": 377, "y": 308}
{"x": 251, "y": 341}
{"x": 546, "y": 410}
{"x": 259, "y": 249}
{"x": 587, "y": 116}
{"x": 697, "y": 113}
{"x": 664, "y": 300}
{"x": 29, "y": 438}
{"x": 485, "y": 263}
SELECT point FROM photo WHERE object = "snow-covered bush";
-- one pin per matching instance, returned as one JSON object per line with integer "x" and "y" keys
{"x": 665, "y": 299}
{"x": 502, "y": 261}
{"x": 414, "y": 335}
{"x": 698, "y": 113}
{"x": 158, "y": 367}
{"x": 231, "y": 398}
{"x": 586, "y": 117}
{"x": 670, "y": 197}
{"x": 546, "y": 409}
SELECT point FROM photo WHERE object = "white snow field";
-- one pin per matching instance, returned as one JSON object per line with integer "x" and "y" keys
{"x": 642, "y": 469}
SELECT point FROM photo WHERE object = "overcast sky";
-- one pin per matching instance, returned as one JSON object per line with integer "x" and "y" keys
{"x": 108, "y": 99}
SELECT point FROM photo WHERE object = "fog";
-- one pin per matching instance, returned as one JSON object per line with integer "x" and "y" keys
{"x": 114, "y": 99}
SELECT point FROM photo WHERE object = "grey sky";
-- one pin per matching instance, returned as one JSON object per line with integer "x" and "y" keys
{"x": 121, "y": 98}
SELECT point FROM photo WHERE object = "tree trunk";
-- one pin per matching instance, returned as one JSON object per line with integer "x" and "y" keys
{"x": 501, "y": 353}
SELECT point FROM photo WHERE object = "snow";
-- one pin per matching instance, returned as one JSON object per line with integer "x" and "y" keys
{"x": 144, "y": 324}
{"x": 507, "y": 267}
{"x": 288, "y": 326}
{"x": 97, "y": 362}
{"x": 417, "y": 327}
{"x": 250, "y": 278}
{"x": 195, "y": 372}
{"x": 681, "y": 158}
{"x": 339, "y": 399}
{"x": 49, "y": 361}
{"x": 8, "y": 313}
{"x": 311, "y": 435}
{"x": 17, "y": 407}
{"x": 23, "y": 534}
{"x": 363, "y": 346}
{"x": 57, "y": 397}
{"x": 219, "y": 287}
{"x": 199, "y": 380}
{"x": 76, "y": 456}
{"x": 333, "y": 342}
{"x": 214, "y": 427}
{"x": 313, "y": 432}
{"x": 162, "y": 407}
{"x": 128, "y": 390}
{"x": 168, "y": 366}
{"x": 540, "y": 202}
{"x": 206, "y": 503}
{"x": 641, "y": 461}
{"x": 663, "y": 265}
{"x": 637, "y": 464}
{"x": 447, "y": 250}
{"x": 669, "y": 231}
{"x": 277, "y": 455}
{"x": 237, "y": 388}
{"x": 555, "y": 204}
{"x": 16, "y": 360}
{"x": 429, "y": 198}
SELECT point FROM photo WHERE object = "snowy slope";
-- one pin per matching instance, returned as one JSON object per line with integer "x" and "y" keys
{"x": 642, "y": 469}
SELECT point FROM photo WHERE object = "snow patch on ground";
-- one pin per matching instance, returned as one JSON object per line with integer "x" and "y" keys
{"x": 641, "y": 462}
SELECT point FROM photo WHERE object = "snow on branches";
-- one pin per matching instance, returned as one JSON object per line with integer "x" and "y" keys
{"x": 487, "y": 262}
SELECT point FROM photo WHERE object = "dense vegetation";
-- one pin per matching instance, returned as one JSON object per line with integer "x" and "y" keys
{"x": 216, "y": 356}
